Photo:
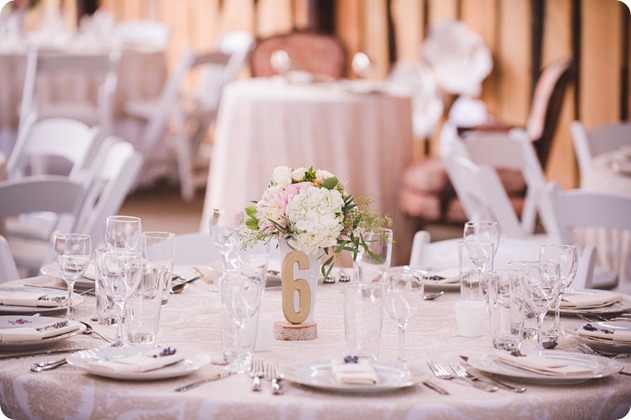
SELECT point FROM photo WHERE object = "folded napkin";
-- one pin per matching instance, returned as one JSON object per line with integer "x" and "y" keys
{"x": 589, "y": 301}
{"x": 447, "y": 276}
{"x": 360, "y": 373}
{"x": 27, "y": 298}
{"x": 30, "y": 334}
{"x": 138, "y": 363}
{"x": 609, "y": 334}
{"x": 544, "y": 366}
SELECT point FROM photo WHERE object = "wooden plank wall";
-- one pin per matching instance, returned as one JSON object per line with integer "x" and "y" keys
{"x": 505, "y": 25}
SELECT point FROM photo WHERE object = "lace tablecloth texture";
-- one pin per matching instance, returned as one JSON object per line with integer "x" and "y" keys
{"x": 191, "y": 320}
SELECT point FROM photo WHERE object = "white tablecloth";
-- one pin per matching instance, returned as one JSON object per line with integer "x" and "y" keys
{"x": 192, "y": 320}
{"x": 142, "y": 73}
{"x": 613, "y": 247}
{"x": 361, "y": 135}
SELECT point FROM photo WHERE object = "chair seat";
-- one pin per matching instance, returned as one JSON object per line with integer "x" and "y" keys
{"x": 81, "y": 111}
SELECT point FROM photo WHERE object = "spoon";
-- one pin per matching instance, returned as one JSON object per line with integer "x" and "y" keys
{"x": 179, "y": 288}
{"x": 432, "y": 296}
{"x": 89, "y": 330}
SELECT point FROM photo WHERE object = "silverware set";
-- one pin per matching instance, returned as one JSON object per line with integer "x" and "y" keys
{"x": 458, "y": 371}
{"x": 260, "y": 370}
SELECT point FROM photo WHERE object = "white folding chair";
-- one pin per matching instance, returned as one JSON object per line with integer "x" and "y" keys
{"x": 114, "y": 173}
{"x": 600, "y": 139}
{"x": 444, "y": 254}
{"x": 45, "y": 193}
{"x": 142, "y": 33}
{"x": 578, "y": 208}
{"x": 8, "y": 270}
{"x": 91, "y": 77}
{"x": 195, "y": 248}
{"x": 170, "y": 117}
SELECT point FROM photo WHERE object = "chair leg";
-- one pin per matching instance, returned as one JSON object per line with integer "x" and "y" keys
{"x": 184, "y": 161}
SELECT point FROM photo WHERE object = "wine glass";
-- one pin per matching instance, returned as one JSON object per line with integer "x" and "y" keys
{"x": 540, "y": 287}
{"x": 121, "y": 273}
{"x": 73, "y": 252}
{"x": 567, "y": 258}
{"x": 240, "y": 299}
{"x": 280, "y": 62}
{"x": 224, "y": 229}
{"x": 403, "y": 295}
{"x": 361, "y": 64}
{"x": 123, "y": 232}
{"x": 371, "y": 264}
{"x": 486, "y": 230}
{"x": 480, "y": 253}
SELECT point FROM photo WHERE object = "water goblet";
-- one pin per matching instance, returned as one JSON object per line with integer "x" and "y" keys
{"x": 224, "y": 229}
{"x": 567, "y": 258}
{"x": 371, "y": 263}
{"x": 540, "y": 286}
{"x": 403, "y": 295}
{"x": 123, "y": 232}
{"x": 280, "y": 62}
{"x": 121, "y": 273}
{"x": 73, "y": 251}
{"x": 361, "y": 65}
{"x": 481, "y": 254}
{"x": 241, "y": 293}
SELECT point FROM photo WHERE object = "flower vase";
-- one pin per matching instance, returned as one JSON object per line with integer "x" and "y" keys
{"x": 299, "y": 276}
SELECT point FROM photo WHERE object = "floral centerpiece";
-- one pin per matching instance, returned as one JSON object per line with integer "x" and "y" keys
{"x": 311, "y": 210}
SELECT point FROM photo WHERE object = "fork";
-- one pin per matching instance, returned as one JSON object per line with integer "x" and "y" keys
{"x": 462, "y": 373}
{"x": 272, "y": 376}
{"x": 439, "y": 371}
{"x": 256, "y": 372}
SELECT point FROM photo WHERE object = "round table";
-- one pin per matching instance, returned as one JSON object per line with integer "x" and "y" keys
{"x": 359, "y": 131}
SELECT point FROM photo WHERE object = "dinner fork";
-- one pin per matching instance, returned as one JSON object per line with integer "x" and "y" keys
{"x": 272, "y": 375}
{"x": 256, "y": 372}
{"x": 462, "y": 373}
{"x": 439, "y": 371}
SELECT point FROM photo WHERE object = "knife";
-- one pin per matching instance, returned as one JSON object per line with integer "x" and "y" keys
{"x": 40, "y": 353}
{"x": 435, "y": 387}
{"x": 518, "y": 389}
{"x": 211, "y": 378}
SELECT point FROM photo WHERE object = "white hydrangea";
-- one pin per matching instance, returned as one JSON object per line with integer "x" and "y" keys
{"x": 282, "y": 175}
{"x": 315, "y": 216}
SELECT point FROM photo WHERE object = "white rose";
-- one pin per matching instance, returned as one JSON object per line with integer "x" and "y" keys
{"x": 298, "y": 174}
{"x": 282, "y": 176}
{"x": 323, "y": 174}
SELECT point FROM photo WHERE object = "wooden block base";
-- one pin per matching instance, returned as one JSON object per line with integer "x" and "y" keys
{"x": 286, "y": 331}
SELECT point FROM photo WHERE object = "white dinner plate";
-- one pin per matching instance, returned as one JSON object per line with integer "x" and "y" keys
{"x": 615, "y": 308}
{"x": 433, "y": 285}
{"x": 608, "y": 346}
{"x": 193, "y": 360}
{"x": 84, "y": 282}
{"x": 600, "y": 367}
{"x": 17, "y": 321}
{"x": 320, "y": 375}
{"x": 31, "y": 310}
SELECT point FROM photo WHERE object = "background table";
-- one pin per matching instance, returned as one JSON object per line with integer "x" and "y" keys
{"x": 613, "y": 247}
{"x": 192, "y": 320}
{"x": 360, "y": 132}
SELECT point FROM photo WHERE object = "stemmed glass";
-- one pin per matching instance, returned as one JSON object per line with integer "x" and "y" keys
{"x": 480, "y": 253}
{"x": 121, "y": 272}
{"x": 403, "y": 295}
{"x": 485, "y": 230}
{"x": 224, "y": 229}
{"x": 123, "y": 232}
{"x": 370, "y": 266}
{"x": 361, "y": 64}
{"x": 241, "y": 293}
{"x": 540, "y": 287}
{"x": 73, "y": 252}
{"x": 567, "y": 258}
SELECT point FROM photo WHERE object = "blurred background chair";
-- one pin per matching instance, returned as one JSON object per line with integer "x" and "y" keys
{"x": 428, "y": 196}
{"x": 177, "y": 121}
{"x": 92, "y": 99}
{"x": 44, "y": 193}
{"x": 8, "y": 270}
{"x": 577, "y": 209}
{"x": 312, "y": 52}
{"x": 142, "y": 32}
{"x": 598, "y": 140}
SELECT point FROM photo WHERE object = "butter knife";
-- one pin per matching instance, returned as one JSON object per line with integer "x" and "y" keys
{"x": 40, "y": 353}
{"x": 213, "y": 377}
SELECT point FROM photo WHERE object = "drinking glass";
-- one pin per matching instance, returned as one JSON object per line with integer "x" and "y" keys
{"x": 240, "y": 298}
{"x": 485, "y": 230}
{"x": 481, "y": 254}
{"x": 73, "y": 251}
{"x": 540, "y": 287}
{"x": 567, "y": 258}
{"x": 157, "y": 250}
{"x": 224, "y": 229}
{"x": 403, "y": 295}
{"x": 121, "y": 272}
{"x": 370, "y": 266}
{"x": 123, "y": 232}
